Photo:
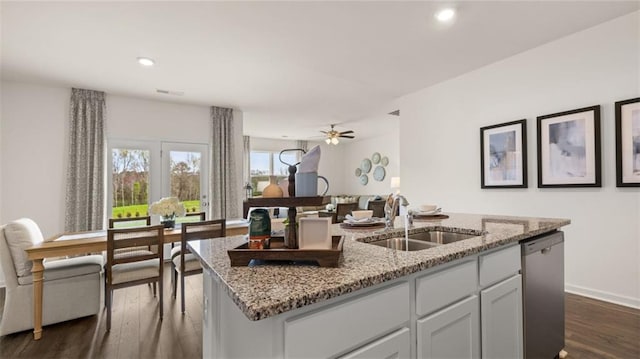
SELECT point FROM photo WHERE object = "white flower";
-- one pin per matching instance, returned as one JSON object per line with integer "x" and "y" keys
{"x": 168, "y": 206}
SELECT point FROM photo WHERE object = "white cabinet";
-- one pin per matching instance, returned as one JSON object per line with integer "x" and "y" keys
{"x": 439, "y": 289}
{"x": 453, "y": 332}
{"x": 394, "y": 346}
{"x": 325, "y": 333}
{"x": 469, "y": 308}
{"x": 501, "y": 307}
{"x": 499, "y": 265}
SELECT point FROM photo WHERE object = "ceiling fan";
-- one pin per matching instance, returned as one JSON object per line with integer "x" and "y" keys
{"x": 333, "y": 135}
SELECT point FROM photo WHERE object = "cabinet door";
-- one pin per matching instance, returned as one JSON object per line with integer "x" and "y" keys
{"x": 501, "y": 307}
{"x": 349, "y": 324}
{"x": 453, "y": 332}
{"x": 394, "y": 346}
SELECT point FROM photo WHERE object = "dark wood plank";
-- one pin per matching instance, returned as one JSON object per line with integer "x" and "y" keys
{"x": 597, "y": 329}
{"x": 136, "y": 329}
{"x": 594, "y": 329}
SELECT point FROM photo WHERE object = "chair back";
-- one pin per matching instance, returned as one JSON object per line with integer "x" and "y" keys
{"x": 377, "y": 207}
{"x": 6, "y": 262}
{"x": 202, "y": 215}
{"x": 342, "y": 209}
{"x": 200, "y": 230}
{"x": 131, "y": 239}
{"x": 203, "y": 230}
{"x": 125, "y": 222}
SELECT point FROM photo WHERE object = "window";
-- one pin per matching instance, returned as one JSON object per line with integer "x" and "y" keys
{"x": 267, "y": 163}
{"x": 141, "y": 172}
{"x": 130, "y": 182}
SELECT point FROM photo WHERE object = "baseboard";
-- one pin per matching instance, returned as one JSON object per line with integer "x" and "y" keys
{"x": 604, "y": 296}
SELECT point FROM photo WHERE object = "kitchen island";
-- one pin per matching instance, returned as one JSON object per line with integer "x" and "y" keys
{"x": 378, "y": 301}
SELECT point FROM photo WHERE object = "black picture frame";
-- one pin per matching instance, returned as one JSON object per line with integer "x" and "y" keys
{"x": 569, "y": 153}
{"x": 503, "y": 155}
{"x": 628, "y": 143}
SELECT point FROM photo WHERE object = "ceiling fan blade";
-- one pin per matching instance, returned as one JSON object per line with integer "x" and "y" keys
{"x": 343, "y": 136}
{"x": 346, "y": 132}
{"x": 325, "y": 132}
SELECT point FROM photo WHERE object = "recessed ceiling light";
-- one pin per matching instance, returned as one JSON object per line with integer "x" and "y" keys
{"x": 145, "y": 61}
{"x": 445, "y": 15}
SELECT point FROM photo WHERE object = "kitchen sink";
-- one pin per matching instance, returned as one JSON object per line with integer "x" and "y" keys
{"x": 422, "y": 240}
{"x": 404, "y": 245}
{"x": 439, "y": 237}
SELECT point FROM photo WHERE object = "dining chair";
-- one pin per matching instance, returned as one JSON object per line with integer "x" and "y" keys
{"x": 130, "y": 222}
{"x": 377, "y": 206}
{"x": 183, "y": 262}
{"x": 342, "y": 209}
{"x": 136, "y": 267}
{"x": 195, "y": 217}
{"x": 202, "y": 215}
{"x": 127, "y": 222}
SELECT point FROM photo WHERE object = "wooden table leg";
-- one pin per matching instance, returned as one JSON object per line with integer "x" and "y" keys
{"x": 38, "y": 273}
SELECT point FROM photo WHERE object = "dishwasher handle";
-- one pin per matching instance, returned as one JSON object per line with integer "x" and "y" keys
{"x": 542, "y": 244}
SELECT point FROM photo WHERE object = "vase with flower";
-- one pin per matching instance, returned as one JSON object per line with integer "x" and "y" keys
{"x": 168, "y": 209}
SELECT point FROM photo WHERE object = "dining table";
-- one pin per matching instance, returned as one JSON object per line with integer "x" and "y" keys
{"x": 81, "y": 243}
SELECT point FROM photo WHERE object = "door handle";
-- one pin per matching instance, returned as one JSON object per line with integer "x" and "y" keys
{"x": 545, "y": 250}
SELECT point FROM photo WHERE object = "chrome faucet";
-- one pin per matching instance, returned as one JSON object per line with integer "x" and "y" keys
{"x": 391, "y": 208}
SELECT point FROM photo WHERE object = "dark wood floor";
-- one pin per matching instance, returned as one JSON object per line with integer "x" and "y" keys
{"x": 594, "y": 329}
{"x": 136, "y": 330}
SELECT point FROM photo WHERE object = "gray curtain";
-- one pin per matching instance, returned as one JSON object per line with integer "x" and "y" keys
{"x": 224, "y": 181}
{"x": 84, "y": 200}
{"x": 246, "y": 159}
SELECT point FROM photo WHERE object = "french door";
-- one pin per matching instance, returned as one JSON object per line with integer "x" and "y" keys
{"x": 185, "y": 176}
{"x": 142, "y": 172}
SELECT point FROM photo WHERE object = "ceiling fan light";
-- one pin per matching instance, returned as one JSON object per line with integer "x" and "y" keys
{"x": 335, "y": 141}
{"x": 328, "y": 141}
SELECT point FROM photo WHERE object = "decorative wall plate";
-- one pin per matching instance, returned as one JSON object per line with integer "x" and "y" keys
{"x": 358, "y": 172}
{"x": 384, "y": 161}
{"x": 365, "y": 165}
{"x": 375, "y": 158}
{"x": 364, "y": 179}
{"x": 379, "y": 173}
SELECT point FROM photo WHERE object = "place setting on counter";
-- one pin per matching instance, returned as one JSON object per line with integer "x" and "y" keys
{"x": 427, "y": 212}
{"x": 362, "y": 219}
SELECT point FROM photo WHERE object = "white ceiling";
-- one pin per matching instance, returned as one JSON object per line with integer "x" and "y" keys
{"x": 291, "y": 67}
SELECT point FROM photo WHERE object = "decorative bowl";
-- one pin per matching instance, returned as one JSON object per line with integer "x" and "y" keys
{"x": 367, "y": 213}
{"x": 427, "y": 207}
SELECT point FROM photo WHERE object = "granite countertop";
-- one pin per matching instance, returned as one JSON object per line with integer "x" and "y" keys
{"x": 262, "y": 291}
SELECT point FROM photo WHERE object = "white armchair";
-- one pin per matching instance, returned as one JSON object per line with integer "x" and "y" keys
{"x": 71, "y": 286}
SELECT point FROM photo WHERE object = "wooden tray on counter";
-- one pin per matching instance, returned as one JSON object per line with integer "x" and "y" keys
{"x": 242, "y": 255}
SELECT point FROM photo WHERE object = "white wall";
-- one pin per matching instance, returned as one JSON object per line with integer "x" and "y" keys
{"x": 330, "y": 159}
{"x": 440, "y": 148}
{"x": 133, "y": 118}
{"x": 338, "y": 163}
{"x": 34, "y": 142}
{"x": 34, "y": 147}
{"x": 387, "y": 145}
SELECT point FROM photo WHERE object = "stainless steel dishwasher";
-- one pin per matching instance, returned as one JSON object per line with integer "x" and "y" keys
{"x": 543, "y": 295}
